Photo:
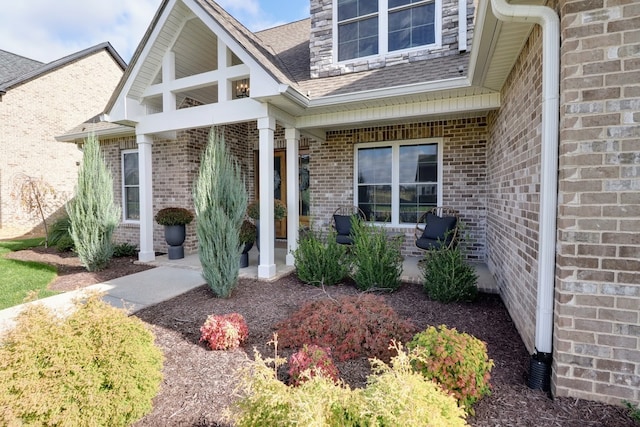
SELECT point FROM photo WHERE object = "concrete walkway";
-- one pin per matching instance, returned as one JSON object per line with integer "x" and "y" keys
{"x": 171, "y": 278}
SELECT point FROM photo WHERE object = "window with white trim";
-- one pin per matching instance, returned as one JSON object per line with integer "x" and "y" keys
{"x": 130, "y": 186}
{"x": 367, "y": 27}
{"x": 396, "y": 182}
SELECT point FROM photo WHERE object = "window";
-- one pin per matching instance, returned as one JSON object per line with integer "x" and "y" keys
{"x": 363, "y": 29}
{"x": 397, "y": 182}
{"x": 130, "y": 186}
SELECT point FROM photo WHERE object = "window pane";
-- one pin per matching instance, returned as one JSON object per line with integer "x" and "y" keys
{"x": 367, "y": 6}
{"x": 347, "y": 9}
{"x": 375, "y": 202}
{"x": 348, "y": 51}
{"x": 410, "y": 27}
{"x": 132, "y": 203}
{"x": 399, "y": 20}
{"x": 368, "y": 27}
{"x": 415, "y": 200}
{"x": 399, "y": 40}
{"x": 357, "y": 39}
{"x": 418, "y": 163}
{"x": 131, "y": 176}
{"x": 347, "y": 32}
{"x": 374, "y": 165}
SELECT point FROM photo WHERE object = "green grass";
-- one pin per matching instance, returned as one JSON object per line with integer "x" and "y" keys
{"x": 20, "y": 279}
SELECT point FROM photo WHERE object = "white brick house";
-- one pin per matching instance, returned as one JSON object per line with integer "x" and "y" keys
{"x": 544, "y": 171}
{"x": 37, "y": 102}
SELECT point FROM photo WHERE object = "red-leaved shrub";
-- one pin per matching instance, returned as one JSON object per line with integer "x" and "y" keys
{"x": 223, "y": 332}
{"x": 352, "y": 326}
{"x": 315, "y": 361}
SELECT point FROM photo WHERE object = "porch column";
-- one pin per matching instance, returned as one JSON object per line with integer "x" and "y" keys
{"x": 147, "y": 253}
{"x": 267, "y": 266}
{"x": 292, "y": 136}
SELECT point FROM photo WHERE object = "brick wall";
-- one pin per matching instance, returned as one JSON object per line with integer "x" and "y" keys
{"x": 464, "y": 173}
{"x": 513, "y": 176}
{"x": 597, "y": 336}
{"x": 33, "y": 114}
{"x": 322, "y": 49}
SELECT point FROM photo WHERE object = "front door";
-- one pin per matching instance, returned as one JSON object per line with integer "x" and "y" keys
{"x": 279, "y": 186}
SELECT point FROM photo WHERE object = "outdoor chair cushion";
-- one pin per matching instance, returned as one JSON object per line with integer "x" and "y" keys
{"x": 438, "y": 227}
{"x": 344, "y": 240}
{"x": 426, "y": 243}
{"x": 343, "y": 224}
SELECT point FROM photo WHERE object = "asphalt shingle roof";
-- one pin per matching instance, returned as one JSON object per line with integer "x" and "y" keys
{"x": 13, "y": 66}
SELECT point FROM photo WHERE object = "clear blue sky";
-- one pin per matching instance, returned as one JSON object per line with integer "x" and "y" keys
{"x": 46, "y": 30}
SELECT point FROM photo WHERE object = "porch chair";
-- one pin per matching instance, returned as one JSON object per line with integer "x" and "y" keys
{"x": 341, "y": 222}
{"x": 436, "y": 228}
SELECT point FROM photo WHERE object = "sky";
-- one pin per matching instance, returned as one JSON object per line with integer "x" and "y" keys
{"x": 46, "y": 30}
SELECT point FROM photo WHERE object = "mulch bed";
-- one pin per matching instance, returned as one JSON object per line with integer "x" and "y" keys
{"x": 199, "y": 384}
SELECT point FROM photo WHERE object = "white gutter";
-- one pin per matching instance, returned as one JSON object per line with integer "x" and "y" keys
{"x": 550, "y": 23}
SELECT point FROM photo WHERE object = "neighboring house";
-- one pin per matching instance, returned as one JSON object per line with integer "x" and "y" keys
{"x": 416, "y": 104}
{"x": 37, "y": 102}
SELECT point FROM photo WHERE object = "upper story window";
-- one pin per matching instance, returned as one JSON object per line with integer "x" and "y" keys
{"x": 369, "y": 27}
{"x": 130, "y": 186}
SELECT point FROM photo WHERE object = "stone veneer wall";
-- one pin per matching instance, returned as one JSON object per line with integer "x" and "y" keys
{"x": 597, "y": 337}
{"x": 464, "y": 175}
{"x": 175, "y": 167}
{"x": 321, "y": 44}
{"x": 513, "y": 176}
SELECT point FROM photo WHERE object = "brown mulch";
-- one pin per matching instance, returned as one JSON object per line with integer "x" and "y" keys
{"x": 198, "y": 383}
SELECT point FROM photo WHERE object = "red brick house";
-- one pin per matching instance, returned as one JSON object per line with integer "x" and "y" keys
{"x": 522, "y": 116}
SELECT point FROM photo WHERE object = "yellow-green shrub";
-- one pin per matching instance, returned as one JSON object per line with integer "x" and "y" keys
{"x": 457, "y": 361}
{"x": 96, "y": 367}
{"x": 394, "y": 396}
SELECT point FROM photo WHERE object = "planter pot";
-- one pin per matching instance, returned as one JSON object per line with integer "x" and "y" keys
{"x": 175, "y": 235}
{"x": 244, "y": 256}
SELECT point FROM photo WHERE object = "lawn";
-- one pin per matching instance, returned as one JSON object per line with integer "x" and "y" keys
{"x": 20, "y": 279}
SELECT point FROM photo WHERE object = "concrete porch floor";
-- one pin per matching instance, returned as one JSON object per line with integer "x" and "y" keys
{"x": 410, "y": 271}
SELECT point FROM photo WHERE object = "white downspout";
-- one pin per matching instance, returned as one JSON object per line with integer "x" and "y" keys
{"x": 548, "y": 19}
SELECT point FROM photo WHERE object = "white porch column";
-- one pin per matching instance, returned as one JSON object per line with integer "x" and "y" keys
{"x": 147, "y": 253}
{"x": 292, "y": 136}
{"x": 267, "y": 266}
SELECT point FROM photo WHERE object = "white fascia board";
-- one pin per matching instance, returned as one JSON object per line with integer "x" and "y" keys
{"x": 122, "y": 109}
{"x": 240, "y": 110}
{"x": 114, "y": 132}
{"x": 412, "y": 89}
{"x": 438, "y": 107}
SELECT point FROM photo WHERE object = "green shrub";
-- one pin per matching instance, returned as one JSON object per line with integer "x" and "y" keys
{"x": 320, "y": 262}
{"x": 96, "y": 367}
{"x": 59, "y": 236}
{"x": 448, "y": 277}
{"x": 93, "y": 213}
{"x": 394, "y": 396}
{"x": 634, "y": 411}
{"x": 352, "y": 326}
{"x": 377, "y": 261}
{"x": 220, "y": 200}
{"x": 124, "y": 250}
{"x": 457, "y": 361}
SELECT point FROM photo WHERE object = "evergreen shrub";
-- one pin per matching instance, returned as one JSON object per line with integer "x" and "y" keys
{"x": 394, "y": 396}
{"x": 59, "y": 236}
{"x": 93, "y": 213}
{"x": 377, "y": 261}
{"x": 96, "y": 367}
{"x": 220, "y": 201}
{"x": 457, "y": 361}
{"x": 320, "y": 262}
{"x": 448, "y": 277}
{"x": 125, "y": 249}
{"x": 352, "y": 326}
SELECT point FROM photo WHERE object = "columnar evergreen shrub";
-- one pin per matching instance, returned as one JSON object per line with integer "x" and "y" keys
{"x": 309, "y": 362}
{"x": 448, "y": 277}
{"x": 96, "y": 367}
{"x": 320, "y": 261}
{"x": 377, "y": 261}
{"x": 352, "y": 326}
{"x": 220, "y": 201}
{"x": 457, "y": 361}
{"x": 394, "y": 396}
{"x": 93, "y": 213}
{"x": 224, "y": 332}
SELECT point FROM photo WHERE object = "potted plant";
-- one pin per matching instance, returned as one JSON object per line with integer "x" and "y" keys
{"x": 253, "y": 211}
{"x": 174, "y": 221}
{"x": 248, "y": 232}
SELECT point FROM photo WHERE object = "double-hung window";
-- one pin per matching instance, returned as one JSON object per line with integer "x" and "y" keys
{"x": 130, "y": 186}
{"x": 397, "y": 182}
{"x": 370, "y": 27}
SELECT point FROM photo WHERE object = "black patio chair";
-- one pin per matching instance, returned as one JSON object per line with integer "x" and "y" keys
{"x": 341, "y": 222}
{"x": 436, "y": 228}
